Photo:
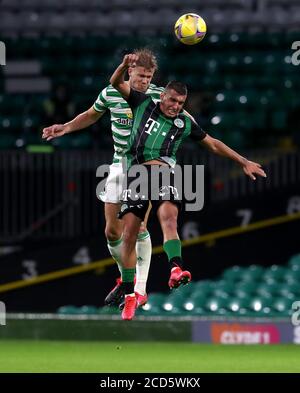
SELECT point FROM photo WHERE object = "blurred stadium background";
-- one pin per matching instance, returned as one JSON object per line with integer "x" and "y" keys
{"x": 243, "y": 248}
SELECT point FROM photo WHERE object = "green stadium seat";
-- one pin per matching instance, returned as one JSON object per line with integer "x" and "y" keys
{"x": 174, "y": 302}
{"x": 195, "y": 303}
{"x": 11, "y": 123}
{"x": 286, "y": 289}
{"x": 282, "y": 306}
{"x": 81, "y": 140}
{"x": 252, "y": 273}
{"x": 233, "y": 273}
{"x": 292, "y": 275}
{"x": 273, "y": 60}
{"x": 154, "y": 305}
{"x": 186, "y": 290}
{"x": 204, "y": 287}
{"x": 88, "y": 310}
{"x": 236, "y": 304}
{"x": 260, "y": 305}
{"x": 214, "y": 304}
{"x": 156, "y": 299}
{"x": 7, "y": 140}
{"x": 68, "y": 310}
{"x": 267, "y": 290}
{"x": 223, "y": 288}
{"x": 106, "y": 310}
{"x": 274, "y": 273}
{"x": 245, "y": 288}
{"x": 279, "y": 119}
{"x": 294, "y": 261}
{"x": 235, "y": 138}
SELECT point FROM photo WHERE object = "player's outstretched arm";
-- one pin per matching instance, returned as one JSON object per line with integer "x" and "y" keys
{"x": 81, "y": 121}
{"x": 250, "y": 168}
{"x": 117, "y": 79}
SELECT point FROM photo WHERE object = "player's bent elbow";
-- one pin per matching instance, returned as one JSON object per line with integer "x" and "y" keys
{"x": 212, "y": 144}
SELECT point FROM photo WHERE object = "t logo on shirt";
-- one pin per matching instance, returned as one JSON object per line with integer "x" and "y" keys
{"x": 151, "y": 125}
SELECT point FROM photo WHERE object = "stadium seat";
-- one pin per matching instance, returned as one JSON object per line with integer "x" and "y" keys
{"x": 252, "y": 273}
{"x": 282, "y": 306}
{"x": 88, "y": 310}
{"x": 186, "y": 290}
{"x": 287, "y": 289}
{"x": 292, "y": 275}
{"x": 204, "y": 286}
{"x": 260, "y": 306}
{"x": 233, "y": 273}
{"x": 274, "y": 273}
{"x": 213, "y": 304}
{"x": 245, "y": 288}
{"x": 106, "y": 310}
{"x": 223, "y": 288}
{"x": 7, "y": 140}
{"x": 294, "y": 260}
{"x": 196, "y": 303}
{"x": 174, "y": 302}
{"x": 68, "y": 310}
{"x": 154, "y": 305}
{"x": 267, "y": 290}
{"x": 237, "y": 304}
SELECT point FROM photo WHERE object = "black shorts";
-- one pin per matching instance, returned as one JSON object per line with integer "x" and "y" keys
{"x": 136, "y": 200}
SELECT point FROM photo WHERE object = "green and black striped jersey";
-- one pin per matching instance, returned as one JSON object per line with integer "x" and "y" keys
{"x": 120, "y": 115}
{"x": 154, "y": 135}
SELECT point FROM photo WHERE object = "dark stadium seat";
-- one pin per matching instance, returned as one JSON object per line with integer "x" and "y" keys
{"x": 108, "y": 310}
{"x": 154, "y": 304}
{"x": 236, "y": 304}
{"x": 88, "y": 310}
{"x": 68, "y": 310}
{"x": 294, "y": 260}
{"x": 252, "y": 273}
{"x": 283, "y": 306}
{"x": 233, "y": 273}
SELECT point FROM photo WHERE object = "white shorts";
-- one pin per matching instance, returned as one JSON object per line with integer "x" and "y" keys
{"x": 113, "y": 185}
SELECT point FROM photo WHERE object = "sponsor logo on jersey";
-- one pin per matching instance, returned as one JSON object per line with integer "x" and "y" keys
{"x": 179, "y": 123}
{"x": 125, "y": 122}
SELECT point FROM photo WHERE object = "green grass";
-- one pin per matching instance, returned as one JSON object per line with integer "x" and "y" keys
{"x": 55, "y": 356}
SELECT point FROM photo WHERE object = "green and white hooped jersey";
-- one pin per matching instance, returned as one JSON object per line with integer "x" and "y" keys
{"x": 120, "y": 115}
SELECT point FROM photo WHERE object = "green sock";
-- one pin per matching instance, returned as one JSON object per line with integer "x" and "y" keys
{"x": 128, "y": 275}
{"x": 173, "y": 248}
{"x": 128, "y": 280}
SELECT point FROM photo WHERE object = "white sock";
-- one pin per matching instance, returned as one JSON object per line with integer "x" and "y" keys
{"x": 114, "y": 248}
{"x": 143, "y": 253}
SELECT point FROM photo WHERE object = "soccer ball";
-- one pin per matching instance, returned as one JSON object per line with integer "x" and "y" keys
{"x": 190, "y": 29}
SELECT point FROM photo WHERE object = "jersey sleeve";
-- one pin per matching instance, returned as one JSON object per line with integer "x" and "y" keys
{"x": 136, "y": 98}
{"x": 197, "y": 134}
{"x": 155, "y": 92}
{"x": 101, "y": 104}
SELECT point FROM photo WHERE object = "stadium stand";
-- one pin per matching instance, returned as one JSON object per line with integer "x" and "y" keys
{"x": 246, "y": 41}
{"x": 252, "y": 291}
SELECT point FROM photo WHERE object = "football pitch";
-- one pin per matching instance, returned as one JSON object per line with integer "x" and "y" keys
{"x": 150, "y": 357}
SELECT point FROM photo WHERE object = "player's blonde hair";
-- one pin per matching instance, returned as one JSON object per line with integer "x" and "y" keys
{"x": 146, "y": 59}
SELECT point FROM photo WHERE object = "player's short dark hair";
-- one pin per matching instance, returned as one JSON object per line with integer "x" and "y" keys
{"x": 146, "y": 59}
{"x": 179, "y": 87}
